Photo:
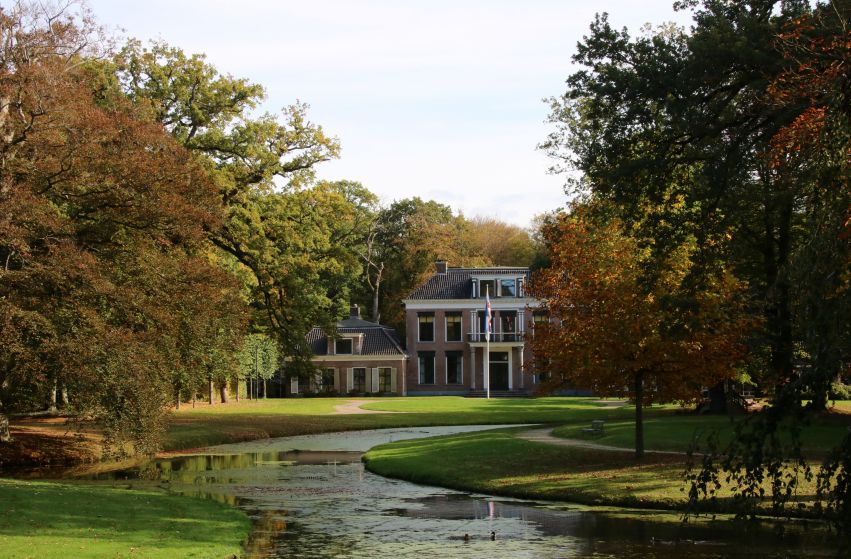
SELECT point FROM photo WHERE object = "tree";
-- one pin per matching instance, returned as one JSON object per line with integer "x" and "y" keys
{"x": 813, "y": 152}
{"x": 500, "y": 243}
{"x": 258, "y": 361}
{"x": 103, "y": 216}
{"x": 409, "y": 236}
{"x": 734, "y": 133}
{"x": 613, "y": 331}
{"x": 277, "y": 227}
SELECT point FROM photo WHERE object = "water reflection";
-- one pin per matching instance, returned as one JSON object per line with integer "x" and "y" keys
{"x": 310, "y": 497}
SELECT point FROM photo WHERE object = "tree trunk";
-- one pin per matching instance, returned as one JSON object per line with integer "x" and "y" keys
{"x": 64, "y": 393}
{"x": 639, "y": 414}
{"x": 5, "y": 433}
{"x": 177, "y": 400}
{"x": 264, "y": 389}
{"x": 785, "y": 349}
{"x": 51, "y": 403}
{"x": 376, "y": 315}
{"x": 237, "y": 389}
{"x": 776, "y": 251}
{"x": 212, "y": 391}
{"x": 194, "y": 397}
{"x": 223, "y": 393}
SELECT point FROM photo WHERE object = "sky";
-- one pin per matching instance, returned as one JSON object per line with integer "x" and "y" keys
{"x": 438, "y": 99}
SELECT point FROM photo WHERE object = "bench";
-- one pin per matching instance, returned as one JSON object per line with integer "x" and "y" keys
{"x": 596, "y": 427}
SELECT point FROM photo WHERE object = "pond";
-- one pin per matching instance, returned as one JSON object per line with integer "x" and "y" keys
{"x": 310, "y": 497}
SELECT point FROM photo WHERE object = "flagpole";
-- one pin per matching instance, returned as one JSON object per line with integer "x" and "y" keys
{"x": 487, "y": 343}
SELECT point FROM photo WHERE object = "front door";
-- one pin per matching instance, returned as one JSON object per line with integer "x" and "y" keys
{"x": 499, "y": 370}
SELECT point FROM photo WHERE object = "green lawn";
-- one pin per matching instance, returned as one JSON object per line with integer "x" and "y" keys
{"x": 843, "y": 406}
{"x": 43, "y": 520}
{"x": 496, "y": 462}
{"x": 246, "y": 420}
{"x": 679, "y": 432}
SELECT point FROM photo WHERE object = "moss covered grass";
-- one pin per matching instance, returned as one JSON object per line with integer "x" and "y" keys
{"x": 54, "y": 520}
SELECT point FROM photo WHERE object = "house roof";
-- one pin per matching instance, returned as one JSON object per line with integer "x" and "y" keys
{"x": 377, "y": 339}
{"x": 457, "y": 283}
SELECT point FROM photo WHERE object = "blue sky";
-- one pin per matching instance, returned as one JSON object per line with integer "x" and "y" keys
{"x": 437, "y": 99}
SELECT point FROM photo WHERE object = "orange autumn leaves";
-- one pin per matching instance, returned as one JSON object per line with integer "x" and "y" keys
{"x": 616, "y": 312}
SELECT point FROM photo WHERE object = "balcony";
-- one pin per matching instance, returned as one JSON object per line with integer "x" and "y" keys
{"x": 496, "y": 337}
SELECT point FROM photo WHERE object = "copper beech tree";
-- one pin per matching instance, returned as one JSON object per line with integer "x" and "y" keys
{"x": 621, "y": 324}
{"x": 107, "y": 287}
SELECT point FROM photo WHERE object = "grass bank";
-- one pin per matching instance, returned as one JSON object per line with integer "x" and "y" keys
{"x": 498, "y": 462}
{"x": 247, "y": 420}
{"x": 680, "y": 432}
{"x": 52, "y": 520}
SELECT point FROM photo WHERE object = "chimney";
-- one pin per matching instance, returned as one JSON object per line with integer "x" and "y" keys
{"x": 354, "y": 311}
{"x": 441, "y": 266}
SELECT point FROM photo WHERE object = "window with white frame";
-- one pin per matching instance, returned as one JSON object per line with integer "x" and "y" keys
{"x": 454, "y": 367}
{"x": 426, "y": 367}
{"x": 453, "y": 327}
{"x": 359, "y": 379}
{"x": 487, "y": 287}
{"x": 326, "y": 380}
{"x": 385, "y": 379}
{"x": 425, "y": 326}
{"x": 343, "y": 346}
{"x": 507, "y": 288}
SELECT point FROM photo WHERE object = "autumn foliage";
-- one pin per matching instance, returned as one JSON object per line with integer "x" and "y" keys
{"x": 103, "y": 251}
{"x": 621, "y": 324}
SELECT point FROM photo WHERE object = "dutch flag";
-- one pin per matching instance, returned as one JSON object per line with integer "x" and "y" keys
{"x": 487, "y": 316}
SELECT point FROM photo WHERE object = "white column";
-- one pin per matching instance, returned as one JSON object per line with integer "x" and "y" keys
{"x": 472, "y": 368}
{"x": 474, "y": 324}
{"x": 510, "y": 369}
{"x": 522, "y": 368}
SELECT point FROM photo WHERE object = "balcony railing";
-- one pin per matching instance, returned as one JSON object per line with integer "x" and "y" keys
{"x": 496, "y": 337}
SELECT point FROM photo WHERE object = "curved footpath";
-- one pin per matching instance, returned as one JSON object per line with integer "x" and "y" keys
{"x": 545, "y": 435}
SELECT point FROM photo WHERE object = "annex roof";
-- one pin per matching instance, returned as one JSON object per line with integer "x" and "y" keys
{"x": 456, "y": 283}
{"x": 377, "y": 339}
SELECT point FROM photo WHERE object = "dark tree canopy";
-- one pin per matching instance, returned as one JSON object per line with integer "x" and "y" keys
{"x": 734, "y": 133}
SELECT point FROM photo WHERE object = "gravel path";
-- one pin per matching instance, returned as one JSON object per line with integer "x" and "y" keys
{"x": 353, "y": 407}
{"x": 544, "y": 435}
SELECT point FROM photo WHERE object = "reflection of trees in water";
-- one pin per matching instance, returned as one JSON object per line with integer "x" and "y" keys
{"x": 225, "y": 499}
{"x": 202, "y": 468}
{"x": 267, "y": 528}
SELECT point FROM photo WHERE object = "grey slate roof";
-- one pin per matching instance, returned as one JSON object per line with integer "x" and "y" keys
{"x": 377, "y": 340}
{"x": 456, "y": 283}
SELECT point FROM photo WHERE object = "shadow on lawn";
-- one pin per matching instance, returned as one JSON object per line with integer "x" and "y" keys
{"x": 129, "y": 518}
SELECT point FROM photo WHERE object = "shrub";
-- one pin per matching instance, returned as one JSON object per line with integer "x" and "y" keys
{"x": 839, "y": 391}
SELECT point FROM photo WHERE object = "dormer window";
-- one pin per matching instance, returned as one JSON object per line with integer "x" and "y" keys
{"x": 343, "y": 346}
{"x": 487, "y": 287}
{"x": 507, "y": 288}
